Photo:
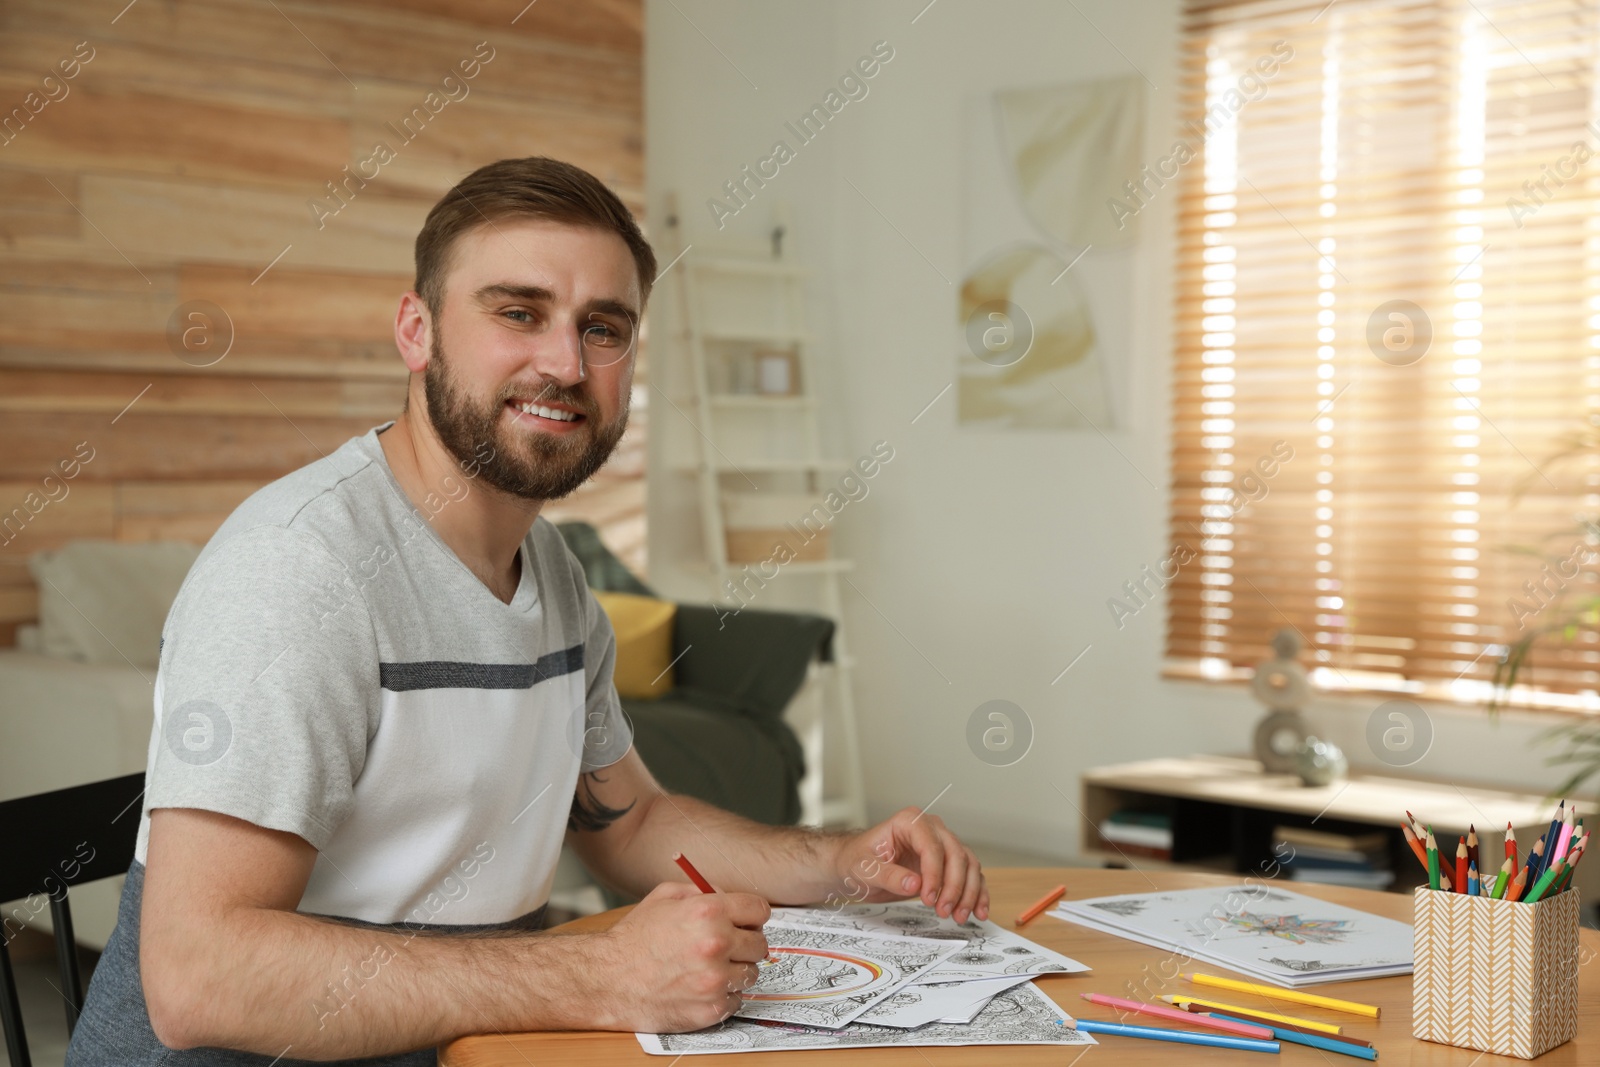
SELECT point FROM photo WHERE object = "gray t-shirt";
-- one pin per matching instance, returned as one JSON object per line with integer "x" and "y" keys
{"x": 331, "y": 668}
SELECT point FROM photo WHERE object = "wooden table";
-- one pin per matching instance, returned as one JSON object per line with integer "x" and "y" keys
{"x": 1116, "y": 963}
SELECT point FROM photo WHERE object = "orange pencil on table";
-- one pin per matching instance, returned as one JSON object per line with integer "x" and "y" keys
{"x": 1461, "y": 865}
{"x": 1042, "y": 903}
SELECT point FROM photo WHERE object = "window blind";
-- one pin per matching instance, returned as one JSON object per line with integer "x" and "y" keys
{"x": 1387, "y": 328}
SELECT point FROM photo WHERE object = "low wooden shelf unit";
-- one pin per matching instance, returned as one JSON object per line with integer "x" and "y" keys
{"x": 1224, "y": 810}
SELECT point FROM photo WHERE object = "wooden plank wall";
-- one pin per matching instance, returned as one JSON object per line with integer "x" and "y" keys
{"x": 178, "y": 163}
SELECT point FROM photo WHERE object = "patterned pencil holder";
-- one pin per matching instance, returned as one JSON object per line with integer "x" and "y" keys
{"x": 1495, "y": 975}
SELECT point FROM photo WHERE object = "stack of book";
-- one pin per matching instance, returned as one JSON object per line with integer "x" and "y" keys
{"x": 1139, "y": 833}
{"x": 1360, "y": 860}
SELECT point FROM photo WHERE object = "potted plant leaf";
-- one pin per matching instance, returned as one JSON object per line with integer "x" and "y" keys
{"x": 1571, "y": 615}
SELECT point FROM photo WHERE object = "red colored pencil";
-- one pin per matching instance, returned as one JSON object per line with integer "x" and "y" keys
{"x": 1461, "y": 865}
{"x": 1511, "y": 845}
{"x": 694, "y": 876}
{"x": 704, "y": 886}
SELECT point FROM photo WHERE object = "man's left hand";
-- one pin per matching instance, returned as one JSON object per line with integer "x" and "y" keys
{"x": 912, "y": 854}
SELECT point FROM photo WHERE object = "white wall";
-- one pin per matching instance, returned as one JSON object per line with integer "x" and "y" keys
{"x": 991, "y": 554}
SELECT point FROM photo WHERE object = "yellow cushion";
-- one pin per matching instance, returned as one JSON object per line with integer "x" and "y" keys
{"x": 644, "y": 642}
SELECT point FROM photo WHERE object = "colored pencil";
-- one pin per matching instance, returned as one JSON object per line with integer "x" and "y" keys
{"x": 1181, "y": 1037}
{"x": 694, "y": 876}
{"x": 1555, "y": 823}
{"x": 1183, "y": 1002}
{"x": 1547, "y": 853}
{"x": 1196, "y": 1009}
{"x": 1416, "y": 825}
{"x": 1237, "y": 1027}
{"x": 1350, "y": 1007}
{"x": 1511, "y": 843}
{"x": 1472, "y": 879}
{"x": 1566, "y": 876}
{"x": 1535, "y": 859}
{"x": 1330, "y": 1044}
{"x": 1416, "y": 845}
{"x": 1042, "y": 903}
{"x": 1433, "y": 862}
{"x": 1472, "y": 844}
{"x": 1518, "y": 884}
{"x": 1564, "y": 841}
{"x": 1285, "y": 1026}
{"x": 705, "y": 887}
{"x": 1546, "y": 879}
{"x": 1461, "y": 865}
{"x": 1502, "y": 878}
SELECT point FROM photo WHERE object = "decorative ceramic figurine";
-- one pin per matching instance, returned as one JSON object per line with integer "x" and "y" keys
{"x": 1320, "y": 762}
{"x": 1280, "y": 683}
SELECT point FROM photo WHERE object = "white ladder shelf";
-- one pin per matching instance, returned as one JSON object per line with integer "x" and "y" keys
{"x": 783, "y": 280}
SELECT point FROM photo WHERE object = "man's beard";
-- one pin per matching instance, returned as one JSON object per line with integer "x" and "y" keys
{"x": 527, "y": 464}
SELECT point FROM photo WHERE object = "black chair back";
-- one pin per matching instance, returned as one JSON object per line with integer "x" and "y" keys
{"x": 52, "y": 841}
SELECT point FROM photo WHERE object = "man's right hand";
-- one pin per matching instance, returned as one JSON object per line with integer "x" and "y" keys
{"x": 681, "y": 958}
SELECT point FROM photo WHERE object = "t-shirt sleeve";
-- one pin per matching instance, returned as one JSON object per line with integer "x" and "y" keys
{"x": 607, "y": 733}
{"x": 268, "y": 686}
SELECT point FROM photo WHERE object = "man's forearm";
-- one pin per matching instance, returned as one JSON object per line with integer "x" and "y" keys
{"x": 784, "y": 864}
{"x": 280, "y": 983}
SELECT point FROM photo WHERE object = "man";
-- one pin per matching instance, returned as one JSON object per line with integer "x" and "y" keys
{"x": 374, "y": 732}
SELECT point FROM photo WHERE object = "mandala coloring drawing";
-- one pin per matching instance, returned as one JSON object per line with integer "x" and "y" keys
{"x": 1020, "y": 1016}
{"x": 826, "y": 976}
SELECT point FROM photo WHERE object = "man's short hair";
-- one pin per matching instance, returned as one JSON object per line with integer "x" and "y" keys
{"x": 534, "y": 187}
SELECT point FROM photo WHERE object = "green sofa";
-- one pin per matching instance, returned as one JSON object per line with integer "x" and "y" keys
{"x": 719, "y": 733}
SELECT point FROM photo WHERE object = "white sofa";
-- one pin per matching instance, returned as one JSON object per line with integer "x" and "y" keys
{"x": 63, "y": 723}
{"x": 76, "y": 693}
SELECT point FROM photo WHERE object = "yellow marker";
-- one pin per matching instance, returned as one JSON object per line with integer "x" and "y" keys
{"x": 1255, "y": 1013}
{"x": 1349, "y": 1007}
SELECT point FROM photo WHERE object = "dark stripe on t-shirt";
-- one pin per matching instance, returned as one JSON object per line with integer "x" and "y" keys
{"x": 532, "y": 921}
{"x": 449, "y": 674}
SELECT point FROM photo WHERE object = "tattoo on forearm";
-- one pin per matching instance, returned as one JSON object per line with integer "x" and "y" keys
{"x": 589, "y": 814}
